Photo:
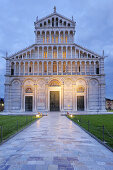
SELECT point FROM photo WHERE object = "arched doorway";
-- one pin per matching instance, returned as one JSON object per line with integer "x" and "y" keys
{"x": 54, "y": 95}
{"x": 80, "y": 98}
{"x": 81, "y": 95}
{"x": 54, "y": 101}
{"x": 28, "y": 99}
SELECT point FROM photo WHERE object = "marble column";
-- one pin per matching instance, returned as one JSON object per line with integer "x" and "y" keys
{"x": 57, "y": 52}
{"x": 28, "y": 68}
{"x": 15, "y": 68}
{"x": 24, "y": 68}
{"x": 38, "y": 67}
{"x": 71, "y": 51}
{"x": 33, "y": 68}
{"x": 71, "y": 67}
{"x": 59, "y": 37}
{"x": 47, "y": 67}
{"x": 38, "y": 52}
{"x": 19, "y": 68}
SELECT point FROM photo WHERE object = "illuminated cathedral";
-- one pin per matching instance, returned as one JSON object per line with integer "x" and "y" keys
{"x": 55, "y": 73}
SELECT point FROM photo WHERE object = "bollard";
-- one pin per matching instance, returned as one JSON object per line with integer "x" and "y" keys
{"x": 88, "y": 125}
{"x": 103, "y": 132}
{"x": 1, "y": 133}
{"x": 80, "y": 120}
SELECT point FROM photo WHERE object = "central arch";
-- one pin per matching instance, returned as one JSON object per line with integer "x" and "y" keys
{"x": 54, "y": 95}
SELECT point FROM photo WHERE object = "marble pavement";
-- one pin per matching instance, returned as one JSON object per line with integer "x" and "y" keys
{"x": 52, "y": 143}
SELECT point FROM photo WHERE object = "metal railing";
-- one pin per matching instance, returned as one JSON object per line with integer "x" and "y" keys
{"x": 101, "y": 132}
{"x": 12, "y": 126}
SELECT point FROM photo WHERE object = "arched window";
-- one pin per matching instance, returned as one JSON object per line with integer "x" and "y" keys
{"x": 64, "y": 23}
{"x": 52, "y": 22}
{"x": 54, "y": 67}
{"x": 29, "y": 90}
{"x": 60, "y": 21}
{"x": 64, "y": 67}
{"x": 54, "y": 83}
{"x": 97, "y": 67}
{"x": 45, "y": 23}
{"x": 57, "y": 22}
{"x": 45, "y": 67}
{"x": 80, "y": 89}
{"x": 12, "y": 68}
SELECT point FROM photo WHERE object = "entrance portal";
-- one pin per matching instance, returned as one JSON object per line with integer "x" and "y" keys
{"x": 54, "y": 100}
{"x": 80, "y": 103}
{"x": 28, "y": 103}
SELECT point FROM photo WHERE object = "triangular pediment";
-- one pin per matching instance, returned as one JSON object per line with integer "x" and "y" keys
{"x": 60, "y": 18}
{"x": 55, "y": 15}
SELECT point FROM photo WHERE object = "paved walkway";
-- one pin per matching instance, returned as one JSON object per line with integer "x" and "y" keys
{"x": 52, "y": 143}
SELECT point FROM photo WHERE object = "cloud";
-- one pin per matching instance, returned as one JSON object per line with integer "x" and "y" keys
{"x": 94, "y": 25}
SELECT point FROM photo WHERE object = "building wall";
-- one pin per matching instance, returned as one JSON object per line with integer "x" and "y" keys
{"x": 55, "y": 63}
{"x": 68, "y": 88}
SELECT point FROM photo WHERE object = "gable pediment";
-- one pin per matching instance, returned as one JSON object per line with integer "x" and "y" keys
{"x": 63, "y": 21}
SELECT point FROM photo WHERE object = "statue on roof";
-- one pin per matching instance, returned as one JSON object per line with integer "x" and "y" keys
{"x": 54, "y": 9}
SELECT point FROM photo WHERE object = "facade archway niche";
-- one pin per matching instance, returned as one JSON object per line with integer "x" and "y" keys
{"x": 81, "y": 95}
{"x": 54, "y": 95}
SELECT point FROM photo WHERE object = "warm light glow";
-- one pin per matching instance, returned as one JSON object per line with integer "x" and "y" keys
{"x": 61, "y": 39}
{"x": 2, "y": 104}
{"x": 71, "y": 115}
{"x": 64, "y": 54}
{"x": 66, "y": 39}
{"x": 52, "y": 39}
{"x": 56, "y": 39}
{"x": 47, "y": 39}
{"x": 37, "y": 116}
{"x": 54, "y": 54}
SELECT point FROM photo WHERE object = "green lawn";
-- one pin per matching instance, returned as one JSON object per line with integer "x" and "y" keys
{"x": 96, "y": 123}
{"x": 12, "y": 124}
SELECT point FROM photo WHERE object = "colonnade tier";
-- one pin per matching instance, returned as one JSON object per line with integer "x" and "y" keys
{"x": 55, "y": 68}
{"x": 54, "y": 37}
{"x": 55, "y": 52}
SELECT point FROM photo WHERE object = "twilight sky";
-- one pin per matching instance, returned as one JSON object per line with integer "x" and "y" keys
{"x": 94, "y": 28}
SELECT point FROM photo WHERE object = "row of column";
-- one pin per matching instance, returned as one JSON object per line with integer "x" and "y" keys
{"x": 60, "y": 52}
{"x": 55, "y": 67}
{"x": 55, "y": 38}
{"x": 58, "y": 34}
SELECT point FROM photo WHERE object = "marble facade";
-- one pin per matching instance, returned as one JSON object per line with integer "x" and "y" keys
{"x": 55, "y": 63}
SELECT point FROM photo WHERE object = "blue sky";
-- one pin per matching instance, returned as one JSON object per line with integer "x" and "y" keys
{"x": 94, "y": 28}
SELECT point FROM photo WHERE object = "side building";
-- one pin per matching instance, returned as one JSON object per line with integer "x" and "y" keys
{"x": 55, "y": 74}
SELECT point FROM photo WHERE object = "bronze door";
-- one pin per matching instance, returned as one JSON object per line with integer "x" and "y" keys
{"x": 54, "y": 100}
{"x": 80, "y": 103}
{"x": 28, "y": 103}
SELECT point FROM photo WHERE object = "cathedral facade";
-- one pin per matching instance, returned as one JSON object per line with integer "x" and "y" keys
{"x": 55, "y": 74}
